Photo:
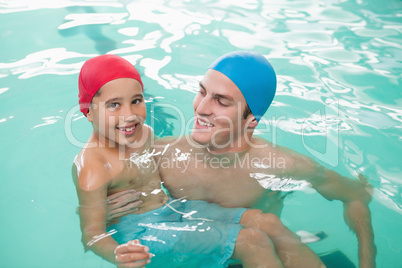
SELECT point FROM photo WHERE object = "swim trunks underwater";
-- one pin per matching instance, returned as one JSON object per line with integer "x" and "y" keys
{"x": 184, "y": 233}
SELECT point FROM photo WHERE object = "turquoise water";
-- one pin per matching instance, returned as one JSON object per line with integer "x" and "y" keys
{"x": 338, "y": 101}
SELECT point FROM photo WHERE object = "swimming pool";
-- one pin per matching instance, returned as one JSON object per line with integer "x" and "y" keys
{"x": 339, "y": 97}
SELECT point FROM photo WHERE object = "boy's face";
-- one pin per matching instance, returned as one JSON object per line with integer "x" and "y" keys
{"x": 218, "y": 112}
{"x": 119, "y": 111}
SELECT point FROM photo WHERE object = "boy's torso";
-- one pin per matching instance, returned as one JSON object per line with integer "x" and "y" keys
{"x": 125, "y": 172}
{"x": 144, "y": 178}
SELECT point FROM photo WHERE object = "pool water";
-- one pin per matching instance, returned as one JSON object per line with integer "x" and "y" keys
{"x": 339, "y": 101}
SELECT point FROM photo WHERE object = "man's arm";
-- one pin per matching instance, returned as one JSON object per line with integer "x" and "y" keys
{"x": 122, "y": 203}
{"x": 357, "y": 216}
{"x": 355, "y": 195}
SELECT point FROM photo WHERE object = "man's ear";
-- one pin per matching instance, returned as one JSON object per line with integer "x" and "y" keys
{"x": 253, "y": 123}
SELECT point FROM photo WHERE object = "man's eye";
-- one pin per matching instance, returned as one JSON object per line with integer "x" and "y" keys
{"x": 137, "y": 101}
{"x": 222, "y": 103}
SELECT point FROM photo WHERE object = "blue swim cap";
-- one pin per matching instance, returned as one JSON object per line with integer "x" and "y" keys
{"x": 253, "y": 75}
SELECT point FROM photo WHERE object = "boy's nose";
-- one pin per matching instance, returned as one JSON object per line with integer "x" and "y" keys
{"x": 128, "y": 112}
{"x": 129, "y": 118}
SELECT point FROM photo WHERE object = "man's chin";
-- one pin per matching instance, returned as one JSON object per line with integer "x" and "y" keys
{"x": 199, "y": 139}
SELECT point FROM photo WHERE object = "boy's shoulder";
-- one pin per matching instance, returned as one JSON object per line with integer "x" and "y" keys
{"x": 92, "y": 170}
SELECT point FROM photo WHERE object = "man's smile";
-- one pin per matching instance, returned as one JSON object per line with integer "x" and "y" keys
{"x": 203, "y": 123}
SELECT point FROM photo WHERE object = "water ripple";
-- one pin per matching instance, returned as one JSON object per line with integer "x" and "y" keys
{"x": 11, "y": 6}
{"x": 49, "y": 120}
{"x": 45, "y": 62}
{"x": 75, "y": 20}
{"x": 173, "y": 21}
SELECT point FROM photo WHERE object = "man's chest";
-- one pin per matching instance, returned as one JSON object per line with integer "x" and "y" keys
{"x": 227, "y": 186}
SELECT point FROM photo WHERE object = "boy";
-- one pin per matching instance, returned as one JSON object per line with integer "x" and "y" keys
{"x": 110, "y": 93}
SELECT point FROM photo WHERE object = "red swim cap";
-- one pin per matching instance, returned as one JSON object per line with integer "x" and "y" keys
{"x": 98, "y": 71}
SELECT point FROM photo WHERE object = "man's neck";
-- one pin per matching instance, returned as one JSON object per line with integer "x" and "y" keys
{"x": 229, "y": 152}
{"x": 238, "y": 147}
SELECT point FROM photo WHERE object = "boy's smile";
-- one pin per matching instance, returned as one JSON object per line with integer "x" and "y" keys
{"x": 128, "y": 129}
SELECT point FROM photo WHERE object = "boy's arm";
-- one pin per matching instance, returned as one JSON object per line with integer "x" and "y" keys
{"x": 92, "y": 211}
{"x": 91, "y": 185}
{"x": 353, "y": 193}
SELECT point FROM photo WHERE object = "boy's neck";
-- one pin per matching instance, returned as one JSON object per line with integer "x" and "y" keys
{"x": 124, "y": 150}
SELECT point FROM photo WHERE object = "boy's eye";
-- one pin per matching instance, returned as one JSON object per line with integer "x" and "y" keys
{"x": 137, "y": 101}
{"x": 113, "y": 105}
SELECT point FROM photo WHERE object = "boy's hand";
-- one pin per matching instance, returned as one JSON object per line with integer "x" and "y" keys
{"x": 122, "y": 203}
{"x": 132, "y": 254}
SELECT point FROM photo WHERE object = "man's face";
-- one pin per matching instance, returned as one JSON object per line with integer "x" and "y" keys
{"x": 218, "y": 113}
{"x": 119, "y": 111}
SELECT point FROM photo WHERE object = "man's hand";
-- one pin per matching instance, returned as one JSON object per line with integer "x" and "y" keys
{"x": 357, "y": 216}
{"x": 122, "y": 203}
{"x": 132, "y": 254}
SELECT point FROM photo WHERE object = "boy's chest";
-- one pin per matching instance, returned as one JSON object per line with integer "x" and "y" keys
{"x": 129, "y": 175}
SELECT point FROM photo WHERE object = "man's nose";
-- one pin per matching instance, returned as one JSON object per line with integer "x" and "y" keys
{"x": 204, "y": 107}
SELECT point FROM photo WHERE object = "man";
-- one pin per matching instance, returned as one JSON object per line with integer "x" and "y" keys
{"x": 221, "y": 162}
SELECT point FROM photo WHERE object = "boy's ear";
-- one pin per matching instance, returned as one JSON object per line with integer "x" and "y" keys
{"x": 89, "y": 116}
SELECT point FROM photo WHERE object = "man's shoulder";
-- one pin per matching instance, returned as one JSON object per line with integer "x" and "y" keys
{"x": 263, "y": 148}
{"x": 259, "y": 143}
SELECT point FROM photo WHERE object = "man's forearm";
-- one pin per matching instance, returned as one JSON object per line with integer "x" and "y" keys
{"x": 357, "y": 216}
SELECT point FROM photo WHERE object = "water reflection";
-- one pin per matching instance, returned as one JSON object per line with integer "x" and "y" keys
{"x": 91, "y": 24}
{"x": 48, "y": 61}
